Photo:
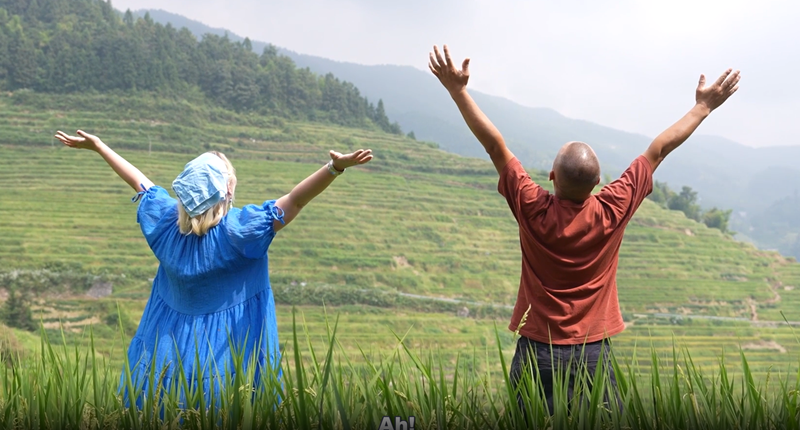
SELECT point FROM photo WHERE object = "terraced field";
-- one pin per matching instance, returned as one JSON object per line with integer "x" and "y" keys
{"x": 416, "y": 220}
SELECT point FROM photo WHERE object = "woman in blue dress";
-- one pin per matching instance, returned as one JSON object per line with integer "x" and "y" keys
{"x": 211, "y": 298}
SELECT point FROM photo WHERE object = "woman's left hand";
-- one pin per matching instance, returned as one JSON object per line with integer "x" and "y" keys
{"x": 343, "y": 161}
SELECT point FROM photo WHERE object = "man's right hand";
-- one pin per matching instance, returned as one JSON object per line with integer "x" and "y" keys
{"x": 454, "y": 80}
{"x": 714, "y": 95}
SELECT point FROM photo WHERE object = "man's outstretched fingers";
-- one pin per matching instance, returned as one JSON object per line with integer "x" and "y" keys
{"x": 465, "y": 66}
{"x": 435, "y": 64}
{"x": 439, "y": 58}
{"x": 702, "y": 82}
{"x": 723, "y": 76}
{"x": 733, "y": 79}
{"x": 447, "y": 57}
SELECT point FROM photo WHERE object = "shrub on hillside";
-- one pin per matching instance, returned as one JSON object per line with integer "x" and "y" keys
{"x": 117, "y": 317}
{"x": 16, "y": 311}
{"x": 334, "y": 295}
{"x": 53, "y": 277}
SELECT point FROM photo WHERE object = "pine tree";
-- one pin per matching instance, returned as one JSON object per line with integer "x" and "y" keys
{"x": 128, "y": 19}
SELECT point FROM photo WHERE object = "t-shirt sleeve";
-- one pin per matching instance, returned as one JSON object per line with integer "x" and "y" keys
{"x": 625, "y": 194}
{"x": 251, "y": 231}
{"x": 522, "y": 194}
{"x": 154, "y": 207}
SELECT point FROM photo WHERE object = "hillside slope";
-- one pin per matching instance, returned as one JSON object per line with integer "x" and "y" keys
{"x": 417, "y": 219}
{"x": 416, "y": 222}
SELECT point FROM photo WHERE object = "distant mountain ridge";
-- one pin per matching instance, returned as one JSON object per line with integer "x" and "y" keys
{"x": 752, "y": 181}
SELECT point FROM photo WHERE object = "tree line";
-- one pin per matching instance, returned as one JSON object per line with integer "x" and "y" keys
{"x": 64, "y": 46}
{"x": 686, "y": 202}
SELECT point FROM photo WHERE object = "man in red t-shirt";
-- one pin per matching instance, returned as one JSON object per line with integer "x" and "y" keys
{"x": 570, "y": 239}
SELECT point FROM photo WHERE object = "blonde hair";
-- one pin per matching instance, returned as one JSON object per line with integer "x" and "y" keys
{"x": 201, "y": 224}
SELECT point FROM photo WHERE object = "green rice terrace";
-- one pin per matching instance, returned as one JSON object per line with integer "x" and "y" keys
{"x": 416, "y": 244}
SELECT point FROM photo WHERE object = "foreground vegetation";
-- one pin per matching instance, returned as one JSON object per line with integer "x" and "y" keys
{"x": 322, "y": 388}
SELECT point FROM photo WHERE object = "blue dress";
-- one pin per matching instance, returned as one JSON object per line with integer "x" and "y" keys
{"x": 210, "y": 293}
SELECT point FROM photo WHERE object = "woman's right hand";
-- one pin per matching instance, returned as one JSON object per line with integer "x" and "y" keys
{"x": 82, "y": 141}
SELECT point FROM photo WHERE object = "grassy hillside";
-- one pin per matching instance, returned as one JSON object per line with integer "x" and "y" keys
{"x": 415, "y": 221}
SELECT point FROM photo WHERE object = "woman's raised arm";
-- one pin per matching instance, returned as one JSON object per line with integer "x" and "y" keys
{"x": 127, "y": 171}
{"x": 312, "y": 186}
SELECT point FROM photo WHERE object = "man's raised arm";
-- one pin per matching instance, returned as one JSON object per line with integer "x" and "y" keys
{"x": 706, "y": 100}
{"x": 455, "y": 81}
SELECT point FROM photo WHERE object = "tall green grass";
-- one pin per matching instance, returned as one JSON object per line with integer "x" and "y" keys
{"x": 314, "y": 388}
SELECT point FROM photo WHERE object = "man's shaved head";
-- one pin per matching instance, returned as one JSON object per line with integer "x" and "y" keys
{"x": 576, "y": 171}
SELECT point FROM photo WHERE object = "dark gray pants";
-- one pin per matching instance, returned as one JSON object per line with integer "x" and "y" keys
{"x": 562, "y": 361}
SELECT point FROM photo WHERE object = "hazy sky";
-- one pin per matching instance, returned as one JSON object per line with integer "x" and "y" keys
{"x": 631, "y": 65}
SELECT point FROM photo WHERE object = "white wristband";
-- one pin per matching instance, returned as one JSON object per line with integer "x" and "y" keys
{"x": 332, "y": 170}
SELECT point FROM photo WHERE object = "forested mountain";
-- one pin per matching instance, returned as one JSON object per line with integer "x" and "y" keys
{"x": 63, "y": 46}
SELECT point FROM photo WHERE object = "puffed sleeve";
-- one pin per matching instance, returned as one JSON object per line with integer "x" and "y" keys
{"x": 250, "y": 230}
{"x": 155, "y": 207}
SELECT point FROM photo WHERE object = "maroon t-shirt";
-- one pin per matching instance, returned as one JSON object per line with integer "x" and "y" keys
{"x": 570, "y": 253}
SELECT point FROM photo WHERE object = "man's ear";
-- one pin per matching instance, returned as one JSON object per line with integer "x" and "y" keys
{"x": 552, "y": 175}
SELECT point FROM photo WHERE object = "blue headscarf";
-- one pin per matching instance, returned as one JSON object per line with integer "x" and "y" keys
{"x": 202, "y": 184}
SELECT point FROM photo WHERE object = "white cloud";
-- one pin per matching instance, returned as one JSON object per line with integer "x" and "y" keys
{"x": 629, "y": 64}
